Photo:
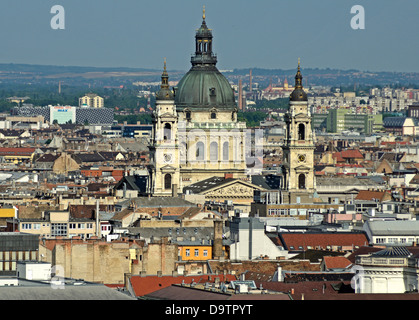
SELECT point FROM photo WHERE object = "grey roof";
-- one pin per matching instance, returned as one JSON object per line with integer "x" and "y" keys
{"x": 183, "y": 233}
{"x": 396, "y": 251}
{"x": 269, "y": 181}
{"x": 44, "y": 291}
{"x": 154, "y": 202}
{"x": 206, "y": 184}
{"x": 347, "y": 181}
{"x": 398, "y": 227}
{"x": 176, "y": 292}
{"x": 18, "y": 241}
{"x": 136, "y": 182}
{"x": 132, "y": 146}
{"x": 394, "y": 121}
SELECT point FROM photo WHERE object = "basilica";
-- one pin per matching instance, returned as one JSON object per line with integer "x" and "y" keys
{"x": 197, "y": 137}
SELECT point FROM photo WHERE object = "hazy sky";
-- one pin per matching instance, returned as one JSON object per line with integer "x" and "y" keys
{"x": 247, "y": 34}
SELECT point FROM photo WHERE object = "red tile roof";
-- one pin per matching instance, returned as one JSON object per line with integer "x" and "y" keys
{"x": 17, "y": 151}
{"x": 147, "y": 284}
{"x": 336, "y": 262}
{"x": 300, "y": 241}
{"x": 373, "y": 195}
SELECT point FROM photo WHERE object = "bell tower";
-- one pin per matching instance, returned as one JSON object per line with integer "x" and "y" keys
{"x": 298, "y": 149}
{"x": 164, "y": 151}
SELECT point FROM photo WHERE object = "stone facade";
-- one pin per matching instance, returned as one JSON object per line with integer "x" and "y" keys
{"x": 93, "y": 260}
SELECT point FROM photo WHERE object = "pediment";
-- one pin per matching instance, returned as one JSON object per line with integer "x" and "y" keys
{"x": 168, "y": 115}
{"x": 235, "y": 188}
{"x": 168, "y": 168}
{"x": 302, "y": 168}
{"x": 301, "y": 116}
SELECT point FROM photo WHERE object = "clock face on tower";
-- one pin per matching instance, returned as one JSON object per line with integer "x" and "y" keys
{"x": 301, "y": 158}
{"x": 167, "y": 157}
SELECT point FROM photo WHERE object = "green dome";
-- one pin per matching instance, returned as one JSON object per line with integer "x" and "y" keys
{"x": 203, "y": 88}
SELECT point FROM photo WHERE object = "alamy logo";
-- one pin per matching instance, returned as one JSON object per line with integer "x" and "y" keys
{"x": 357, "y": 281}
{"x": 358, "y": 20}
{"x": 58, "y": 20}
{"x": 57, "y": 281}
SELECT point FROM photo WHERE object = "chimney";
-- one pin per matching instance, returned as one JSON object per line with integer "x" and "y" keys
{"x": 218, "y": 240}
{"x": 279, "y": 272}
{"x": 250, "y": 80}
{"x": 240, "y": 95}
{"x": 98, "y": 228}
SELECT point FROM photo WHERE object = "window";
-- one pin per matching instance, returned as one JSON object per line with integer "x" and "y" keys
{"x": 302, "y": 181}
{"x": 196, "y": 252}
{"x": 167, "y": 132}
{"x": 225, "y": 151}
{"x": 59, "y": 229}
{"x": 36, "y": 226}
{"x": 200, "y": 154}
{"x": 213, "y": 115}
{"x": 168, "y": 181}
{"x": 205, "y": 253}
{"x": 26, "y": 226}
{"x": 89, "y": 225}
{"x": 301, "y": 131}
{"x": 187, "y": 252}
{"x": 80, "y": 226}
{"x": 214, "y": 151}
{"x": 72, "y": 225}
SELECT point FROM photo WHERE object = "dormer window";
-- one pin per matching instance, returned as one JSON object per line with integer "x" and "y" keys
{"x": 213, "y": 115}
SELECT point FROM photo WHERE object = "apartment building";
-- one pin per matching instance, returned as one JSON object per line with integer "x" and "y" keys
{"x": 91, "y": 100}
{"x": 58, "y": 224}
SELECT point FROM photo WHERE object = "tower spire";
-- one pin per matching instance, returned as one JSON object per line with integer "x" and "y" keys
{"x": 298, "y": 77}
{"x": 164, "y": 93}
{"x": 164, "y": 77}
{"x": 203, "y": 46}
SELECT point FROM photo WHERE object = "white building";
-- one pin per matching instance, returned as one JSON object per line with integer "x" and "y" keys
{"x": 399, "y": 232}
{"x": 250, "y": 241}
{"x": 391, "y": 270}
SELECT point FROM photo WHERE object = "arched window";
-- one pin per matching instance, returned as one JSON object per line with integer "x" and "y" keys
{"x": 200, "y": 151}
{"x": 168, "y": 181}
{"x": 226, "y": 151}
{"x": 213, "y": 151}
{"x": 167, "y": 132}
{"x": 301, "y": 131}
{"x": 302, "y": 181}
{"x": 188, "y": 115}
{"x": 213, "y": 115}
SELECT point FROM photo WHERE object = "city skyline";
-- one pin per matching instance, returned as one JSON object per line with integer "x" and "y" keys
{"x": 267, "y": 34}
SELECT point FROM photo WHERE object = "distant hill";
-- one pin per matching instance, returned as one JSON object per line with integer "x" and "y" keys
{"x": 100, "y": 76}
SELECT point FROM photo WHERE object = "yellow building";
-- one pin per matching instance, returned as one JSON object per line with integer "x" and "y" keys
{"x": 8, "y": 212}
{"x": 17, "y": 155}
{"x": 91, "y": 100}
{"x": 198, "y": 252}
